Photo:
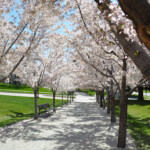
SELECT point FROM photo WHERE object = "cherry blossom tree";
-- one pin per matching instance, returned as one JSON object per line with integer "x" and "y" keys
{"x": 88, "y": 59}
{"x": 22, "y": 29}
{"x": 139, "y": 12}
{"x": 116, "y": 23}
{"x": 32, "y": 74}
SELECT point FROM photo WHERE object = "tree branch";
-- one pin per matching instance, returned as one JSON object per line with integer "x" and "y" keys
{"x": 13, "y": 41}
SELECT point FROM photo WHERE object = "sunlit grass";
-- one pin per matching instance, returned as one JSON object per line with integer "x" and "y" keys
{"x": 89, "y": 92}
{"x": 138, "y": 122}
{"x": 23, "y": 89}
{"x": 16, "y": 108}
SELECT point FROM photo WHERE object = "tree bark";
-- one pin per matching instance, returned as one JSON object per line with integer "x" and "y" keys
{"x": 101, "y": 99}
{"x": 108, "y": 100}
{"x": 112, "y": 101}
{"x": 139, "y": 12}
{"x": 140, "y": 96}
{"x": 133, "y": 49}
{"x": 67, "y": 97}
{"x": 123, "y": 111}
{"x": 54, "y": 95}
{"x": 138, "y": 55}
{"x": 72, "y": 96}
{"x": 35, "y": 103}
{"x": 62, "y": 98}
{"x": 98, "y": 97}
{"x": 113, "y": 117}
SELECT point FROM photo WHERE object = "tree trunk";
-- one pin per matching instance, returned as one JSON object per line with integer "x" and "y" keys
{"x": 67, "y": 97}
{"x": 139, "y": 12}
{"x": 112, "y": 101}
{"x": 140, "y": 96}
{"x": 113, "y": 117}
{"x": 123, "y": 111}
{"x": 35, "y": 103}
{"x": 101, "y": 99}
{"x": 62, "y": 98}
{"x": 133, "y": 49}
{"x": 54, "y": 94}
{"x": 108, "y": 100}
{"x": 96, "y": 97}
{"x": 72, "y": 96}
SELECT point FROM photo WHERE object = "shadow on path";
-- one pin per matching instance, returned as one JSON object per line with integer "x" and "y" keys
{"x": 79, "y": 126}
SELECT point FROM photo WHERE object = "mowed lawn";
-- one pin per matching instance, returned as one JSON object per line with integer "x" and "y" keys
{"x": 23, "y": 89}
{"x": 16, "y": 108}
{"x": 138, "y": 122}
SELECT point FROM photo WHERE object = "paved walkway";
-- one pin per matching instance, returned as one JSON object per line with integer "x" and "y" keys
{"x": 81, "y": 125}
{"x": 29, "y": 95}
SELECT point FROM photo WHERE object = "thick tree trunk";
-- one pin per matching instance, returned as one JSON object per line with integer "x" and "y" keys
{"x": 140, "y": 96}
{"x": 35, "y": 103}
{"x": 108, "y": 100}
{"x": 137, "y": 54}
{"x": 113, "y": 117}
{"x": 54, "y": 95}
{"x": 123, "y": 111}
{"x": 139, "y": 12}
{"x": 122, "y": 122}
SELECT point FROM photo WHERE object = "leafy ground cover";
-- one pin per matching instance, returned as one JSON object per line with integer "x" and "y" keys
{"x": 16, "y": 108}
{"x": 138, "y": 122}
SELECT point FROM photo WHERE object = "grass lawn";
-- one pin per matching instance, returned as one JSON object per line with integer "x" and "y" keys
{"x": 136, "y": 96}
{"x": 22, "y": 89}
{"x": 138, "y": 122}
{"x": 16, "y": 108}
{"x": 89, "y": 92}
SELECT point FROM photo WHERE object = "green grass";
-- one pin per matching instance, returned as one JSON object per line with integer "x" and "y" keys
{"x": 138, "y": 122}
{"x": 16, "y": 108}
{"x": 20, "y": 89}
{"x": 136, "y": 96}
{"x": 23, "y": 89}
{"x": 89, "y": 92}
{"x": 146, "y": 97}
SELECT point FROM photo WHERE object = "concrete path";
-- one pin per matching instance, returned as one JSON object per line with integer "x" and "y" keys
{"x": 28, "y": 95}
{"x": 81, "y": 125}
